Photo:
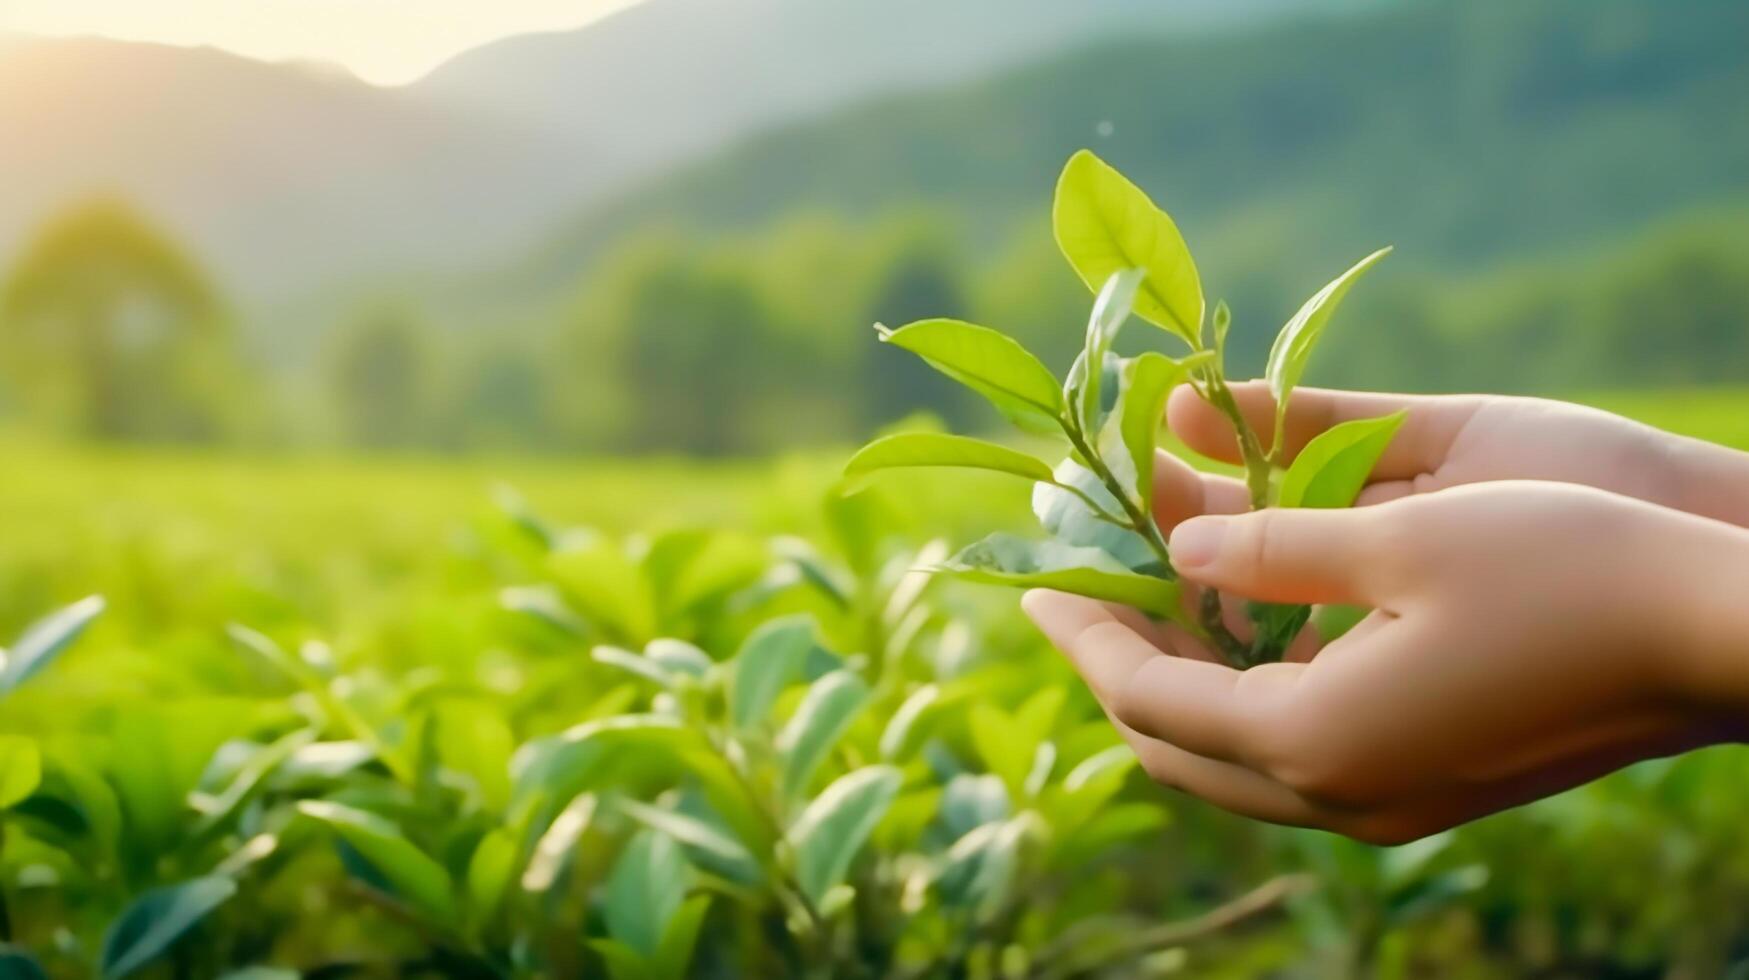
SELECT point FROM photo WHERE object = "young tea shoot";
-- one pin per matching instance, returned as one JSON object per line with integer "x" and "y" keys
{"x": 1095, "y": 504}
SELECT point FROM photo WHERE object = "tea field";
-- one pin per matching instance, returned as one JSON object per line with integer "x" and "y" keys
{"x": 423, "y": 716}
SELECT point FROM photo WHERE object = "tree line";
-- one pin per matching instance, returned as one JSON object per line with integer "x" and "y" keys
{"x": 110, "y": 330}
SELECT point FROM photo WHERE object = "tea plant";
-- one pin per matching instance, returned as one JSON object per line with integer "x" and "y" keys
{"x": 717, "y": 756}
{"x": 1095, "y": 504}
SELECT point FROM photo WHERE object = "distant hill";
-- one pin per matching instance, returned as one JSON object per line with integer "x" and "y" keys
{"x": 294, "y": 180}
{"x": 1465, "y": 132}
{"x": 668, "y": 78}
{"x": 281, "y": 176}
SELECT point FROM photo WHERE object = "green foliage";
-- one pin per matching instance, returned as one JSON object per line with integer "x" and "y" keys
{"x": 1331, "y": 470}
{"x": 1106, "y": 225}
{"x": 1294, "y": 345}
{"x": 1005, "y": 821}
{"x": 108, "y": 330}
{"x": 1097, "y": 504}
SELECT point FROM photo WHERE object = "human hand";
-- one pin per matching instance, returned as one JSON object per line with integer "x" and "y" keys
{"x": 1528, "y": 637}
{"x": 1453, "y": 440}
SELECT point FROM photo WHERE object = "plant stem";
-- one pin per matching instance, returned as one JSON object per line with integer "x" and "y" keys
{"x": 1140, "y": 522}
{"x": 1057, "y": 958}
{"x": 1251, "y": 451}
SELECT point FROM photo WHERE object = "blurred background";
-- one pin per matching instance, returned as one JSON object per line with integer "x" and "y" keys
{"x": 285, "y": 289}
{"x": 670, "y": 229}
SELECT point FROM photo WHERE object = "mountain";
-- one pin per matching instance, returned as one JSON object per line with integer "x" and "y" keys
{"x": 298, "y": 180}
{"x": 1464, "y": 132}
{"x": 281, "y": 176}
{"x": 666, "y": 79}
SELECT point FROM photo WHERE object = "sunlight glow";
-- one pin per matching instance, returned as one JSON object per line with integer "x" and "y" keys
{"x": 388, "y": 42}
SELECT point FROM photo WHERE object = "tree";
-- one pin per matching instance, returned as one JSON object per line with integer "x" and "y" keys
{"x": 110, "y": 330}
{"x": 379, "y": 376}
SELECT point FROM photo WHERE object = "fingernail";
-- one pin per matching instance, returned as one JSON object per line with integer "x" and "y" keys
{"x": 1197, "y": 542}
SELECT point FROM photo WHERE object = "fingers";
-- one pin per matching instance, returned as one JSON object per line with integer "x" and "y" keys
{"x": 1180, "y": 492}
{"x": 1304, "y": 556}
{"x": 1231, "y": 787}
{"x": 1420, "y": 446}
{"x": 1194, "y": 704}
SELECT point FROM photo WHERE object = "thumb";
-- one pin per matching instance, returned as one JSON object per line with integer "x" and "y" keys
{"x": 1302, "y": 556}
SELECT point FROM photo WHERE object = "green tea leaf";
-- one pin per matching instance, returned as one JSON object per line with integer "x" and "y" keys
{"x": 1147, "y": 382}
{"x": 1005, "y": 754}
{"x": 155, "y": 920}
{"x": 1293, "y": 346}
{"x": 644, "y": 891}
{"x": 490, "y": 872}
{"x": 552, "y": 852}
{"x": 680, "y": 939}
{"x": 1104, "y": 223}
{"x": 16, "y": 964}
{"x": 1334, "y": 466}
{"x": 623, "y": 962}
{"x": 679, "y": 657}
{"x": 631, "y": 663}
{"x": 1003, "y": 559}
{"x": 1332, "y": 622}
{"x": 1068, "y": 518}
{"x": 769, "y": 661}
{"x": 1223, "y": 321}
{"x": 690, "y": 831}
{"x": 1085, "y": 388}
{"x": 216, "y": 811}
{"x": 979, "y": 867}
{"x": 413, "y": 875}
{"x": 1114, "y": 761}
{"x": 45, "y": 640}
{"x": 939, "y": 449}
{"x": 896, "y": 739}
{"x": 826, "y": 710}
{"x": 990, "y": 363}
{"x": 21, "y": 769}
{"x": 834, "y": 827}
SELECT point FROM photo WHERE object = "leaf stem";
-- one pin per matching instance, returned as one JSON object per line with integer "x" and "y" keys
{"x": 1251, "y": 452}
{"x": 1139, "y": 522}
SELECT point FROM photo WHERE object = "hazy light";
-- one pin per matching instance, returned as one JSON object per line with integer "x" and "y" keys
{"x": 384, "y": 41}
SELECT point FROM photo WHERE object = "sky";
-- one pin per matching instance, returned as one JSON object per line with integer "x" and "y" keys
{"x": 388, "y": 42}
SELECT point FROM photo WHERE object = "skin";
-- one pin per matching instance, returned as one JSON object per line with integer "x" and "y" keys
{"x": 1557, "y": 593}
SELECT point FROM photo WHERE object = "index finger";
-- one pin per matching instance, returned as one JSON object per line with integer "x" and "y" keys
{"x": 1420, "y": 446}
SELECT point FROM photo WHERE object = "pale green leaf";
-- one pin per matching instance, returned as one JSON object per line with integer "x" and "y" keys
{"x": 21, "y": 769}
{"x": 46, "y": 639}
{"x": 1085, "y": 388}
{"x": 644, "y": 891}
{"x": 1104, "y": 224}
{"x": 939, "y": 449}
{"x": 769, "y": 661}
{"x": 1147, "y": 382}
{"x": 826, "y": 710}
{"x": 490, "y": 871}
{"x": 680, "y": 939}
{"x": 1293, "y": 346}
{"x": 1063, "y": 510}
{"x": 155, "y": 920}
{"x": 414, "y": 876}
{"x": 1333, "y": 468}
{"x": 990, "y": 363}
{"x": 1003, "y": 559}
{"x": 836, "y": 824}
{"x": 897, "y": 738}
{"x": 690, "y": 831}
